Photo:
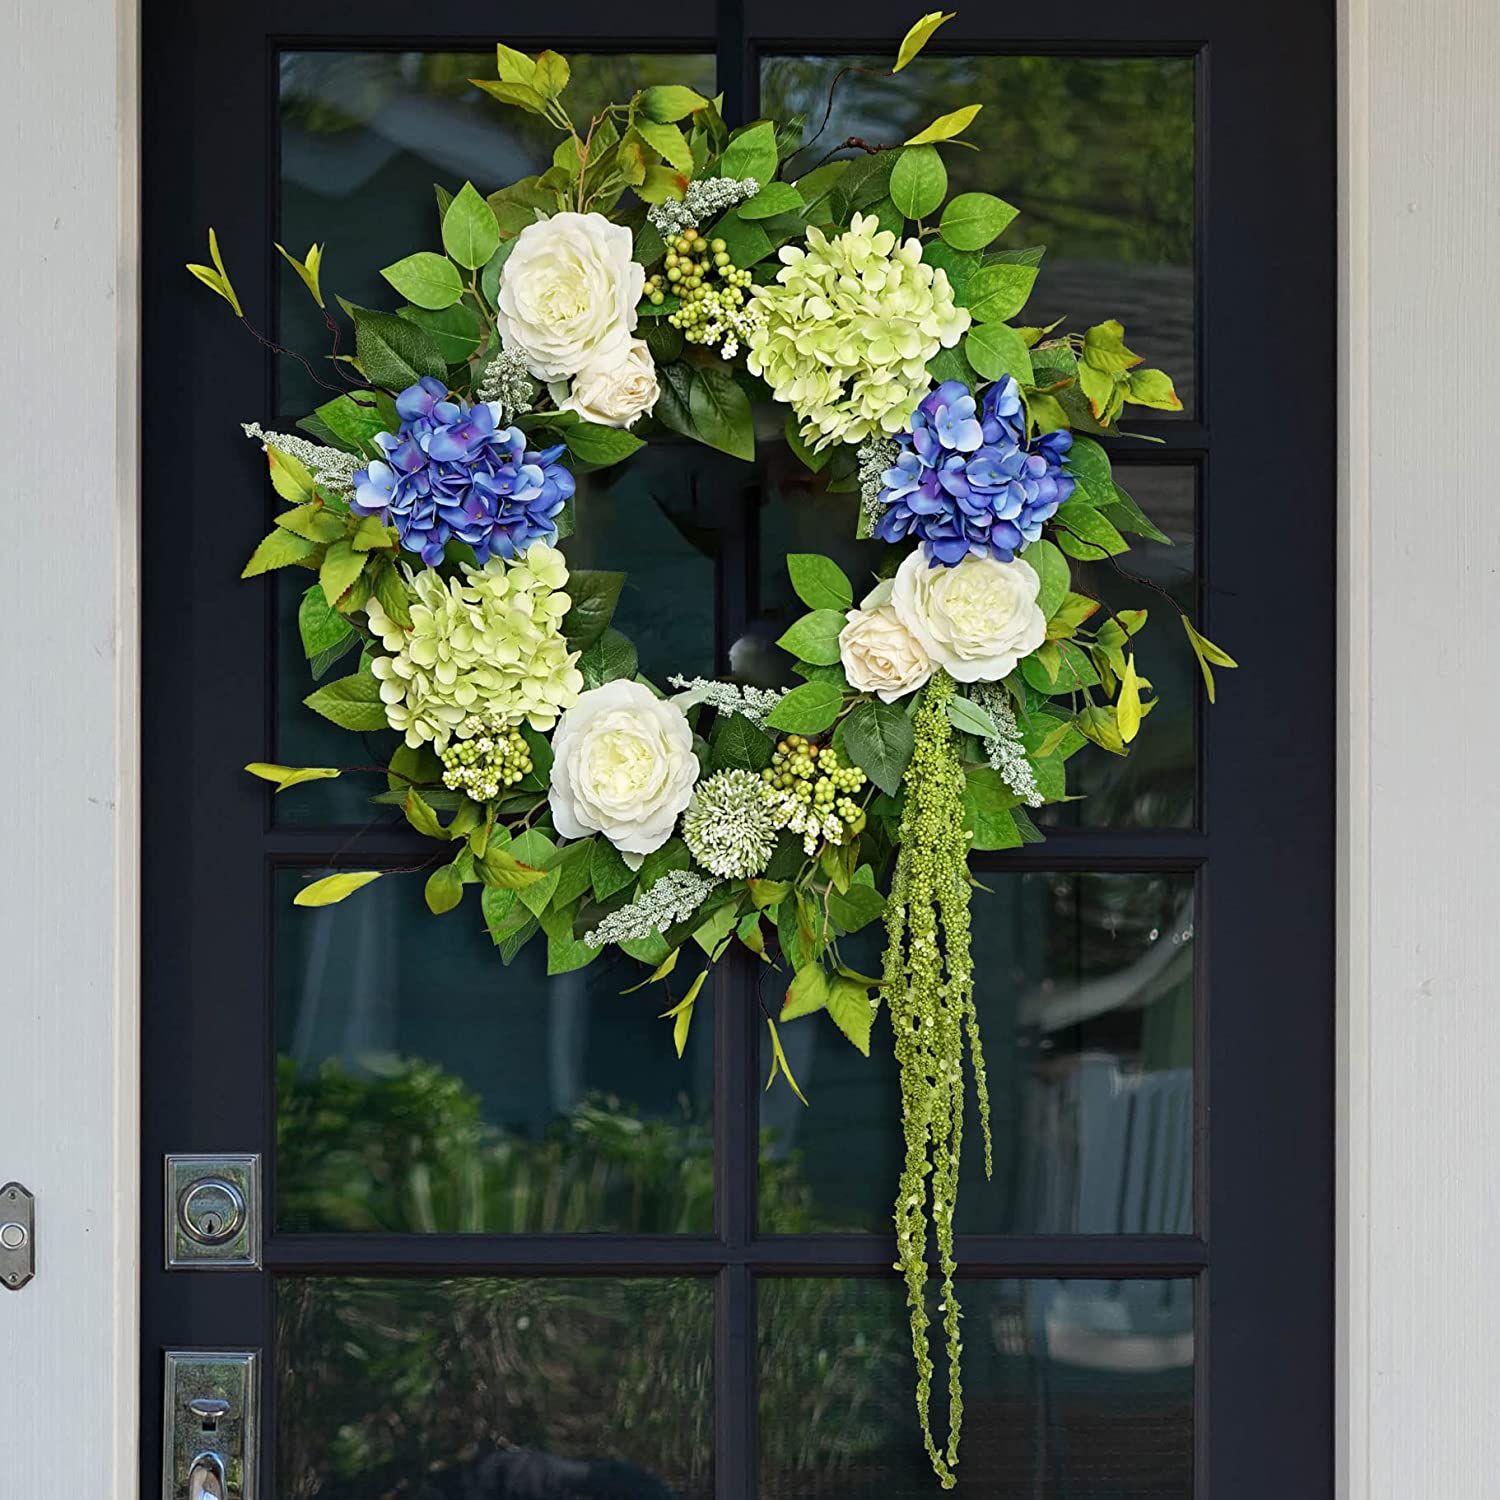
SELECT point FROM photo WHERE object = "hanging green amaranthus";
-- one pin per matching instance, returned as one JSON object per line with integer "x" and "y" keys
{"x": 929, "y": 985}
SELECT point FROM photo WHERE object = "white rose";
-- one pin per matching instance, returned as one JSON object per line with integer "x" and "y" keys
{"x": 977, "y": 619}
{"x": 616, "y": 392}
{"x": 568, "y": 294}
{"x": 880, "y": 655}
{"x": 623, "y": 765}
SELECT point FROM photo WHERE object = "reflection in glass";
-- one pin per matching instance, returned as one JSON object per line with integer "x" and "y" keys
{"x": 658, "y": 518}
{"x": 424, "y": 1087}
{"x": 1085, "y": 1001}
{"x": 1096, "y": 152}
{"x": 402, "y": 122}
{"x": 487, "y": 1388}
{"x": 1071, "y": 1388}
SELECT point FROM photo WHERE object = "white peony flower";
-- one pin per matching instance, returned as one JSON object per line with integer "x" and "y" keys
{"x": 623, "y": 765}
{"x": 613, "y": 393}
{"x": 568, "y": 294}
{"x": 880, "y": 655}
{"x": 976, "y": 619}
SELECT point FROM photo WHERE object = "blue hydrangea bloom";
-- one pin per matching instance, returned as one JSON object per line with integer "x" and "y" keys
{"x": 968, "y": 480}
{"x": 450, "y": 474}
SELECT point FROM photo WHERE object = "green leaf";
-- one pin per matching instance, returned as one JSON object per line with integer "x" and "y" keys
{"x": 455, "y": 330}
{"x": 489, "y": 278}
{"x": 595, "y": 594}
{"x": 739, "y": 746}
{"x": 279, "y": 550}
{"x": 919, "y": 181}
{"x": 444, "y": 889}
{"x": 610, "y": 658}
{"x": 308, "y": 269}
{"x": 351, "y": 703}
{"x": 751, "y": 153}
{"x": 815, "y": 637}
{"x": 969, "y": 718}
{"x": 354, "y": 422}
{"x": 500, "y": 867}
{"x": 855, "y": 908}
{"x": 919, "y": 35}
{"x": 426, "y": 279}
{"x": 470, "y": 233}
{"x": 879, "y": 738}
{"x": 668, "y": 142}
{"x": 552, "y": 74}
{"x": 670, "y": 101}
{"x": 819, "y": 582}
{"x": 721, "y": 413}
{"x": 779, "y": 1063}
{"x": 1052, "y": 568}
{"x": 1206, "y": 652}
{"x": 333, "y": 888}
{"x": 810, "y": 458}
{"x": 341, "y": 566}
{"x": 1152, "y": 388}
{"x": 392, "y": 352}
{"x": 608, "y": 870}
{"x": 849, "y": 1005}
{"x": 319, "y": 625}
{"x": 289, "y": 476}
{"x": 288, "y": 776}
{"x": 972, "y": 220}
{"x": 996, "y": 293}
{"x": 217, "y": 280}
{"x": 673, "y": 855}
{"x": 596, "y": 444}
{"x": 945, "y": 127}
{"x": 809, "y": 709}
{"x": 774, "y": 198}
{"x": 313, "y": 521}
{"x": 1059, "y": 667}
{"x": 997, "y": 350}
{"x": 806, "y": 994}
{"x": 950, "y": 364}
{"x": 1126, "y": 515}
{"x": 1083, "y": 533}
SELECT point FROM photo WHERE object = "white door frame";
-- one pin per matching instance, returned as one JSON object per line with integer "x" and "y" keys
{"x": 1419, "y": 1199}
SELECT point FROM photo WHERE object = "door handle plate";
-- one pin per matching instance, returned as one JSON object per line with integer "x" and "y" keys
{"x": 210, "y": 1427}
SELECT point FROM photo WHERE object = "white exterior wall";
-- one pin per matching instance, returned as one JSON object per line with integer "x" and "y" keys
{"x": 1420, "y": 939}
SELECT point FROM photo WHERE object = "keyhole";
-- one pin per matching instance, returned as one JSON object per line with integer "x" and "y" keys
{"x": 210, "y": 1225}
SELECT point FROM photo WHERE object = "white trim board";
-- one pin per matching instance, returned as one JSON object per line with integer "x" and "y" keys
{"x": 1419, "y": 1311}
{"x": 68, "y": 673}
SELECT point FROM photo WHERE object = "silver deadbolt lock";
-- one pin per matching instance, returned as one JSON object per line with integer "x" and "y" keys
{"x": 213, "y": 1212}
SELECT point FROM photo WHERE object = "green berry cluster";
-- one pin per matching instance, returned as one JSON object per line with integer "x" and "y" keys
{"x": 812, "y": 793}
{"x": 712, "y": 311}
{"x": 494, "y": 755}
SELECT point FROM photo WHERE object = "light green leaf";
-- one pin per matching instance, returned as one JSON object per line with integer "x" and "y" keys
{"x": 809, "y": 709}
{"x": 1128, "y": 706}
{"x": 319, "y": 625}
{"x": 279, "y": 550}
{"x": 996, "y": 293}
{"x": 289, "y": 476}
{"x": 426, "y": 279}
{"x": 997, "y": 350}
{"x": 751, "y": 153}
{"x": 341, "y": 566}
{"x": 444, "y": 889}
{"x": 670, "y": 101}
{"x": 668, "y": 142}
{"x": 314, "y": 522}
{"x": 807, "y": 993}
{"x": 972, "y": 220}
{"x": 919, "y": 35}
{"x": 470, "y": 233}
{"x": 1206, "y": 652}
{"x": 721, "y": 413}
{"x": 945, "y": 127}
{"x": 217, "y": 280}
{"x": 333, "y": 888}
{"x": 552, "y": 74}
{"x": 919, "y": 182}
{"x": 1152, "y": 388}
{"x": 879, "y": 739}
{"x": 969, "y": 718}
{"x": 1082, "y": 532}
{"x": 353, "y": 422}
{"x": 815, "y": 637}
{"x": 855, "y": 908}
{"x": 819, "y": 582}
{"x": 849, "y": 1005}
{"x": 351, "y": 703}
{"x": 308, "y": 269}
{"x": 286, "y": 776}
{"x": 774, "y": 198}
{"x": 779, "y": 1064}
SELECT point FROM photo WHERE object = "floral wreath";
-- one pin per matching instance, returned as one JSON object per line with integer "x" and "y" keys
{"x": 665, "y": 272}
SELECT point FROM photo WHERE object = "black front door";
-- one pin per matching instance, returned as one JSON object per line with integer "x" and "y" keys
{"x": 513, "y": 1247}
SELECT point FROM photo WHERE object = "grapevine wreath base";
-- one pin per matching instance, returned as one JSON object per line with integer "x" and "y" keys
{"x": 659, "y": 277}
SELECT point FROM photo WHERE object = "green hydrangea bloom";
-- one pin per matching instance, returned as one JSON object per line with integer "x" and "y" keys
{"x": 849, "y": 328}
{"x": 488, "y": 643}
